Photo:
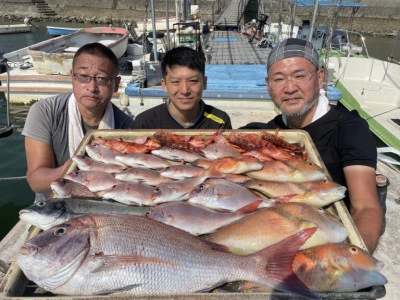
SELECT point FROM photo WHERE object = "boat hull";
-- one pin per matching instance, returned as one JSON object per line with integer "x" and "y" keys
{"x": 371, "y": 87}
{"x": 15, "y": 28}
{"x": 56, "y": 31}
{"x": 55, "y": 56}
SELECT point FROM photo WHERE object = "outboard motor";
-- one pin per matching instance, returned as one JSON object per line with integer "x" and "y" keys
{"x": 262, "y": 20}
{"x": 3, "y": 68}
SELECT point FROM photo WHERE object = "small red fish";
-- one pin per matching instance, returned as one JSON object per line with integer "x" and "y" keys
{"x": 251, "y": 141}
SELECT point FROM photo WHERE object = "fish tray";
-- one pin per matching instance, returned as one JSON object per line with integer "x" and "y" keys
{"x": 16, "y": 286}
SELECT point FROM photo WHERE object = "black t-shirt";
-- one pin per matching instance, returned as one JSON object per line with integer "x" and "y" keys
{"x": 159, "y": 117}
{"x": 342, "y": 138}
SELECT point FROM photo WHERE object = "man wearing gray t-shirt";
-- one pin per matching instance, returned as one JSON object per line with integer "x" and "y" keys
{"x": 55, "y": 126}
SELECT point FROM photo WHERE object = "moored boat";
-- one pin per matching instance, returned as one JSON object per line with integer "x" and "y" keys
{"x": 55, "y": 56}
{"x": 15, "y": 28}
{"x": 56, "y": 31}
{"x": 370, "y": 86}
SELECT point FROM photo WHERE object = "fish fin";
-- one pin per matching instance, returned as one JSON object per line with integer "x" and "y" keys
{"x": 278, "y": 269}
{"x": 213, "y": 173}
{"x": 250, "y": 207}
{"x": 111, "y": 262}
{"x": 216, "y": 246}
{"x": 121, "y": 289}
{"x": 286, "y": 198}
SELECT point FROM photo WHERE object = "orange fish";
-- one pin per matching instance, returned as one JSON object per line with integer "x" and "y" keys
{"x": 270, "y": 225}
{"x": 337, "y": 268}
{"x": 333, "y": 267}
{"x": 290, "y": 170}
{"x": 231, "y": 165}
{"x": 316, "y": 193}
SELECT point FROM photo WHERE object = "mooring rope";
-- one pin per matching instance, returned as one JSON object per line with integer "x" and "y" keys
{"x": 12, "y": 178}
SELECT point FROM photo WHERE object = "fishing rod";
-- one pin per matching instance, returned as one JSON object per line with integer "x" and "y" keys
{"x": 385, "y": 112}
{"x": 390, "y": 58}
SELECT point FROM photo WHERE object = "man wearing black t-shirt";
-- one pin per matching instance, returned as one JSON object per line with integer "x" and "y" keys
{"x": 184, "y": 80}
{"x": 342, "y": 138}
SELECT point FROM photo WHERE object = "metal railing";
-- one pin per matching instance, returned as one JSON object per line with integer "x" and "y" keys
{"x": 6, "y": 129}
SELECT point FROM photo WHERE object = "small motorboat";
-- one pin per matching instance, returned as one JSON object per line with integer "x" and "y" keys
{"x": 55, "y": 56}
{"x": 57, "y": 31}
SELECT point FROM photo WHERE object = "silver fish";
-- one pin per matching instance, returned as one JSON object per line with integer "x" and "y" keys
{"x": 89, "y": 164}
{"x": 142, "y": 160}
{"x": 103, "y": 153}
{"x": 143, "y": 175}
{"x": 196, "y": 219}
{"x": 221, "y": 194}
{"x": 95, "y": 181}
{"x": 176, "y": 154}
{"x": 131, "y": 193}
{"x": 181, "y": 172}
{"x": 46, "y": 214}
{"x": 176, "y": 190}
{"x": 65, "y": 188}
{"x": 124, "y": 254}
{"x": 219, "y": 150}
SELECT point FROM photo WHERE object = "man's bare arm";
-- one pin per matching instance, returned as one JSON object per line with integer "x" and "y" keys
{"x": 366, "y": 210}
{"x": 41, "y": 166}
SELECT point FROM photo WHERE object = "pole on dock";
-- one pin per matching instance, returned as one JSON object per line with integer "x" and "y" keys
{"x": 313, "y": 20}
{"x": 293, "y": 17}
{"x": 153, "y": 22}
{"x": 280, "y": 21}
{"x": 167, "y": 24}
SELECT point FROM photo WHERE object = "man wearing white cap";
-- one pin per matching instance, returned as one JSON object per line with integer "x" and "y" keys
{"x": 342, "y": 138}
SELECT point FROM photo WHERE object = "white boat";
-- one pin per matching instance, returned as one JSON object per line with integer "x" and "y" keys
{"x": 161, "y": 24}
{"x": 371, "y": 86}
{"x": 55, "y": 56}
{"x": 27, "y": 85}
{"x": 15, "y": 28}
{"x": 277, "y": 34}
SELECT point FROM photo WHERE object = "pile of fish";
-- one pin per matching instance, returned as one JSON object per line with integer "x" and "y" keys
{"x": 198, "y": 211}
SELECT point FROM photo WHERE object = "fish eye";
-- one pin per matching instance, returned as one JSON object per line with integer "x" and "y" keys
{"x": 156, "y": 189}
{"x": 41, "y": 203}
{"x": 353, "y": 250}
{"x": 59, "y": 231}
{"x": 148, "y": 214}
{"x": 200, "y": 186}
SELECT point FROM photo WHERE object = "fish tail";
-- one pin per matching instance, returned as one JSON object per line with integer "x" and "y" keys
{"x": 277, "y": 271}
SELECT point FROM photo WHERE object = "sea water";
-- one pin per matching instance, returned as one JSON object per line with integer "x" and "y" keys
{"x": 15, "y": 193}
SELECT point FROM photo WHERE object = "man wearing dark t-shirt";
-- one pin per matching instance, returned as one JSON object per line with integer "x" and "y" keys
{"x": 184, "y": 80}
{"x": 342, "y": 138}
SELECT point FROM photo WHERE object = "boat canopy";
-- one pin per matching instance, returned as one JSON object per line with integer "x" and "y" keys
{"x": 326, "y": 3}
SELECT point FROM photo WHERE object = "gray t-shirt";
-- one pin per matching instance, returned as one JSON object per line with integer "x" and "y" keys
{"x": 47, "y": 122}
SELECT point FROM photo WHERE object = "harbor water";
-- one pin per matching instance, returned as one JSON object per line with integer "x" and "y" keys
{"x": 15, "y": 191}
